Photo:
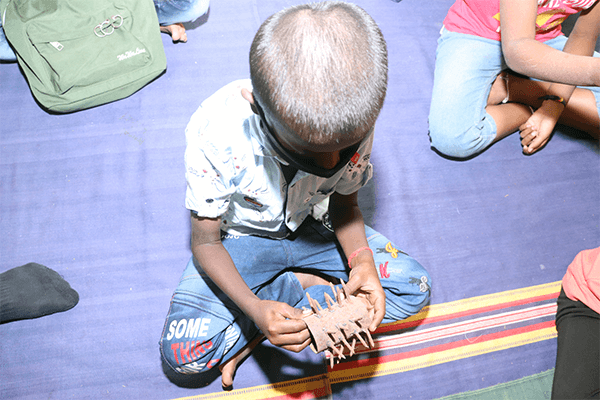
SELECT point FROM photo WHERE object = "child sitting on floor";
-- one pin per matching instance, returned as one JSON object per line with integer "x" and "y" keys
{"x": 261, "y": 156}
{"x": 477, "y": 101}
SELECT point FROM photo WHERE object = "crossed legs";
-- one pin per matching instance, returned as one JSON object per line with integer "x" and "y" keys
{"x": 522, "y": 93}
{"x": 467, "y": 112}
{"x": 230, "y": 366}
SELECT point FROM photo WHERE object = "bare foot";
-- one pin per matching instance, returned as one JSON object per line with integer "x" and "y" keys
{"x": 230, "y": 366}
{"x": 177, "y": 32}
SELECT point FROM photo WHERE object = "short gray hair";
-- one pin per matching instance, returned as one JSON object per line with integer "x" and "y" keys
{"x": 321, "y": 69}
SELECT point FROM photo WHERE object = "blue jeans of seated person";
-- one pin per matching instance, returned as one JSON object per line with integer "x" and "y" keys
{"x": 6, "y": 52}
{"x": 168, "y": 11}
{"x": 172, "y": 11}
{"x": 204, "y": 328}
{"x": 465, "y": 68}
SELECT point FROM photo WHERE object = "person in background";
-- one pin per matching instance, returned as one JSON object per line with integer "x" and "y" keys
{"x": 488, "y": 51}
{"x": 577, "y": 372}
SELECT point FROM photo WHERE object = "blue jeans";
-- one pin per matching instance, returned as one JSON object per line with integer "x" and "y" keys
{"x": 205, "y": 328}
{"x": 465, "y": 68}
{"x": 6, "y": 52}
{"x": 172, "y": 11}
{"x": 168, "y": 11}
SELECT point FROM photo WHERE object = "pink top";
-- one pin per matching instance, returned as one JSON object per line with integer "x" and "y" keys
{"x": 482, "y": 17}
{"x": 582, "y": 280}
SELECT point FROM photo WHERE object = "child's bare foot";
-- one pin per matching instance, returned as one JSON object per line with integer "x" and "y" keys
{"x": 177, "y": 32}
{"x": 230, "y": 366}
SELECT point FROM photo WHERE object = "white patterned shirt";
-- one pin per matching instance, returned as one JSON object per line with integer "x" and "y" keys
{"x": 233, "y": 173}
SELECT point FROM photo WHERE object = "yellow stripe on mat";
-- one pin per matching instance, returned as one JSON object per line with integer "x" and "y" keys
{"x": 488, "y": 300}
{"x": 320, "y": 385}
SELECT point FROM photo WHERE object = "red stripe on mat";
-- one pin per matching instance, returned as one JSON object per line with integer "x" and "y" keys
{"x": 441, "y": 347}
{"x": 469, "y": 326}
{"x": 430, "y": 320}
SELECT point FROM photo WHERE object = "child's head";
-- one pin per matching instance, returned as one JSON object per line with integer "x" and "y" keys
{"x": 320, "y": 71}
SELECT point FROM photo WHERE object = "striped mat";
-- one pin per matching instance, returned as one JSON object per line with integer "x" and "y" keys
{"x": 440, "y": 333}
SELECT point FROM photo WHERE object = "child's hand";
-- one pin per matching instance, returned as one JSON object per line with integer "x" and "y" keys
{"x": 536, "y": 132}
{"x": 282, "y": 324}
{"x": 364, "y": 280}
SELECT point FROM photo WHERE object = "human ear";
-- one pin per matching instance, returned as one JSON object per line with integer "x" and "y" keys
{"x": 246, "y": 94}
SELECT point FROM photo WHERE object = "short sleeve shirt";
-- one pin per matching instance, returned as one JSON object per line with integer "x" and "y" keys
{"x": 233, "y": 173}
{"x": 482, "y": 17}
{"x": 582, "y": 280}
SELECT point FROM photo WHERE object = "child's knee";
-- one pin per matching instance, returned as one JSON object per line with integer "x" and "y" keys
{"x": 461, "y": 141}
{"x": 192, "y": 9}
{"x": 421, "y": 285}
{"x": 180, "y": 11}
{"x": 460, "y": 144}
{"x": 189, "y": 357}
{"x": 187, "y": 349}
{"x": 424, "y": 294}
{"x": 408, "y": 289}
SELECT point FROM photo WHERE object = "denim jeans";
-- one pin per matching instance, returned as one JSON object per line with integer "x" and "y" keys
{"x": 168, "y": 11}
{"x": 465, "y": 68}
{"x": 172, "y": 11}
{"x": 205, "y": 328}
{"x": 6, "y": 52}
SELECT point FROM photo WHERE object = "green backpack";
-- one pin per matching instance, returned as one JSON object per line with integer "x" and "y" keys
{"x": 78, "y": 54}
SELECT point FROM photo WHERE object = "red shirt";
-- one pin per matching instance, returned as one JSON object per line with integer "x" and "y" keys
{"x": 582, "y": 280}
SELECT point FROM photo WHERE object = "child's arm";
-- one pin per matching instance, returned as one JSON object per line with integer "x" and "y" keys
{"x": 279, "y": 322}
{"x": 349, "y": 228}
{"x": 527, "y": 56}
